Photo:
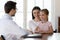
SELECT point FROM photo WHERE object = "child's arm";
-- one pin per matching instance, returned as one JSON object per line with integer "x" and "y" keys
{"x": 37, "y": 30}
{"x": 50, "y": 30}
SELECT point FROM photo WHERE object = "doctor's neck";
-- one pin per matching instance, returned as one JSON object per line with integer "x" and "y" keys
{"x": 11, "y": 13}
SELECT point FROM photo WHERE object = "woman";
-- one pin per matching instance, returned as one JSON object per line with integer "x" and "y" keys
{"x": 35, "y": 19}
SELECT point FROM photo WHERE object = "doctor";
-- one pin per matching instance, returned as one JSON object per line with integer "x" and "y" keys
{"x": 8, "y": 27}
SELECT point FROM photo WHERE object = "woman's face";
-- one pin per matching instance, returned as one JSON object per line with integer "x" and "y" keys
{"x": 36, "y": 13}
{"x": 43, "y": 16}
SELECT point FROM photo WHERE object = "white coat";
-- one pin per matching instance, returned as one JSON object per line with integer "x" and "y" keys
{"x": 10, "y": 29}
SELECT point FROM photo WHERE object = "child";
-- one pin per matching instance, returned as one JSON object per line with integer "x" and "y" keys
{"x": 44, "y": 25}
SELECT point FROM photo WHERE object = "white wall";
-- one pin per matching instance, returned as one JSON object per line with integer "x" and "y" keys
{"x": 55, "y": 12}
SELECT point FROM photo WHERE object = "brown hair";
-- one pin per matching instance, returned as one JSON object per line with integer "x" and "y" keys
{"x": 45, "y": 11}
{"x": 36, "y": 7}
{"x": 9, "y": 5}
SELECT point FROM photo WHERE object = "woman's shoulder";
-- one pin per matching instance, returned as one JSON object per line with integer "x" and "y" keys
{"x": 31, "y": 21}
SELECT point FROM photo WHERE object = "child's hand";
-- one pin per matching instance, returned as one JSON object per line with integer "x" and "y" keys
{"x": 37, "y": 30}
{"x": 41, "y": 31}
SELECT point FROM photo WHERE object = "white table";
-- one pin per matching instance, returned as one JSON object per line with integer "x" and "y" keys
{"x": 54, "y": 36}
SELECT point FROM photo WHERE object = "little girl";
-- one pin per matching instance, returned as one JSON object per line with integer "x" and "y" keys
{"x": 45, "y": 26}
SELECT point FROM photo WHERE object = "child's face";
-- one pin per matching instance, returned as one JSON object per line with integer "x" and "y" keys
{"x": 43, "y": 16}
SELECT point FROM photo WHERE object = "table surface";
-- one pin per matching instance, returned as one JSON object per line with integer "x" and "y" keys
{"x": 54, "y": 36}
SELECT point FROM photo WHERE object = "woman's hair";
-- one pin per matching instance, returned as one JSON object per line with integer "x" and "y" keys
{"x": 36, "y": 7}
{"x": 45, "y": 11}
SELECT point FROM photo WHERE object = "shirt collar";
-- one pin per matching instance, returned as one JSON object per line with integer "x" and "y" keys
{"x": 8, "y": 16}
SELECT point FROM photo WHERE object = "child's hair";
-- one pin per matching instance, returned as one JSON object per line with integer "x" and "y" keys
{"x": 45, "y": 11}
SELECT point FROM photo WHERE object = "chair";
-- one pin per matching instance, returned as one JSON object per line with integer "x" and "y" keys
{"x": 55, "y": 31}
{"x": 2, "y": 37}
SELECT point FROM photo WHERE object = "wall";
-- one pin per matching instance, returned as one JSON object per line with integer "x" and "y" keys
{"x": 55, "y": 12}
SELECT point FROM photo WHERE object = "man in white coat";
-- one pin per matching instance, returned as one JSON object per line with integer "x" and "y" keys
{"x": 8, "y": 28}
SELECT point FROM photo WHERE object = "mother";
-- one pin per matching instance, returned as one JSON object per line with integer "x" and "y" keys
{"x": 35, "y": 19}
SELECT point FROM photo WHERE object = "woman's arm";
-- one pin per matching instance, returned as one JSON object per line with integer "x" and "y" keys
{"x": 30, "y": 31}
